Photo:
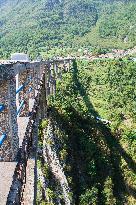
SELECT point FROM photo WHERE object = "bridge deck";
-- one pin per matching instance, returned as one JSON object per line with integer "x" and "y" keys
{"x": 22, "y": 124}
{"x": 6, "y": 174}
{"x": 7, "y": 168}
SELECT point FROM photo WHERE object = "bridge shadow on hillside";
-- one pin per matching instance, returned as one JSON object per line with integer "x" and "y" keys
{"x": 94, "y": 153}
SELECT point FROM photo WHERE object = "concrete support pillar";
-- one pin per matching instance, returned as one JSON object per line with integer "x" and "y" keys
{"x": 43, "y": 101}
{"x": 32, "y": 83}
{"x": 60, "y": 73}
{"x": 38, "y": 74}
{"x": 65, "y": 66}
{"x": 52, "y": 76}
{"x": 54, "y": 86}
{"x": 8, "y": 121}
{"x": 17, "y": 87}
{"x": 48, "y": 80}
{"x": 24, "y": 79}
{"x": 35, "y": 82}
{"x": 55, "y": 67}
{"x": 68, "y": 65}
{"x": 59, "y": 76}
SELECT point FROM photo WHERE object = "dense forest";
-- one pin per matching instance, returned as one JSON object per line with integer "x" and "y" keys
{"x": 98, "y": 159}
{"x": 37, "y": 26}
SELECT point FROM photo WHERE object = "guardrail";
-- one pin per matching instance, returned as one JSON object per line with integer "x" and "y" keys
{"x": 20, "y": 107}
{"x": 20, "y": 89}
{"x": 2, "y": 139}
{"x": 29, "y": 144}
{"x": 23, "y": 85}
{"x": 15, "y": 195}
{"x": 2, "y": 108}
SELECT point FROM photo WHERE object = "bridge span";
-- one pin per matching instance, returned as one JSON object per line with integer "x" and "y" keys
{"x": 25, "y": 88}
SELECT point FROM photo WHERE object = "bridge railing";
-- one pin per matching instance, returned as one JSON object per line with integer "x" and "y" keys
{"x": 19, "y": 179}
{"x": 29, "y": 144}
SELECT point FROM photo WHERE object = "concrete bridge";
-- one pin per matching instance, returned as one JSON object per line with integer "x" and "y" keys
{"x": 25, "y": 88}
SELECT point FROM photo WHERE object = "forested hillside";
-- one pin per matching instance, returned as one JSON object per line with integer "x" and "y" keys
{"x": 35, "y": 26}
{"x": 98, "y": 159}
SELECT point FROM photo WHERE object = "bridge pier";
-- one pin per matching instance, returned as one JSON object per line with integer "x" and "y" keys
{"x": 60, "y": 72}
{"x": 55, "y": 67}
{"x": 43, "y": 100}
{"x": 48, "y": 80}
{"x": 52, "y": 79}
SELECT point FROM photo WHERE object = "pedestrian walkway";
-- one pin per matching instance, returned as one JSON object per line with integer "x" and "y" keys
{"x": 7, "y": 168}
{"x": 6, "y": 174}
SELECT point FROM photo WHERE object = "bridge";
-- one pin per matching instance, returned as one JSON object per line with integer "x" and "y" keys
{"x": 25, "y": 88}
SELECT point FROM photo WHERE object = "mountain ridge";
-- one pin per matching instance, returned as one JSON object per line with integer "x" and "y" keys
{"x": 37, "y": 25}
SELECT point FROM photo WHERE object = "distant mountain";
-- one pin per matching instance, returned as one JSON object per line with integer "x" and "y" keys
{"x": 35, "y": 25}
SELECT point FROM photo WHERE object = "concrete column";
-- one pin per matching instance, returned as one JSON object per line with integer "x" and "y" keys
{"x": 8, "y": 121}
{"x": 35, "y": 82}
{"x": 43, "y": 102}
{"x": 13, "y": 117}
{"x": 68, "y": 65}
{"x": 48, "y": 80}
{"x": 65, "y": 66}
{"x": 60, "y": 73}
{"x": 17, "y": 86}
{"x": 56, "y": 69}
{"x": 32, "y": 83}
{"x": 54, "y": 86}
{"x": 24, "y": 79}
{"x": 52, "y": 76}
